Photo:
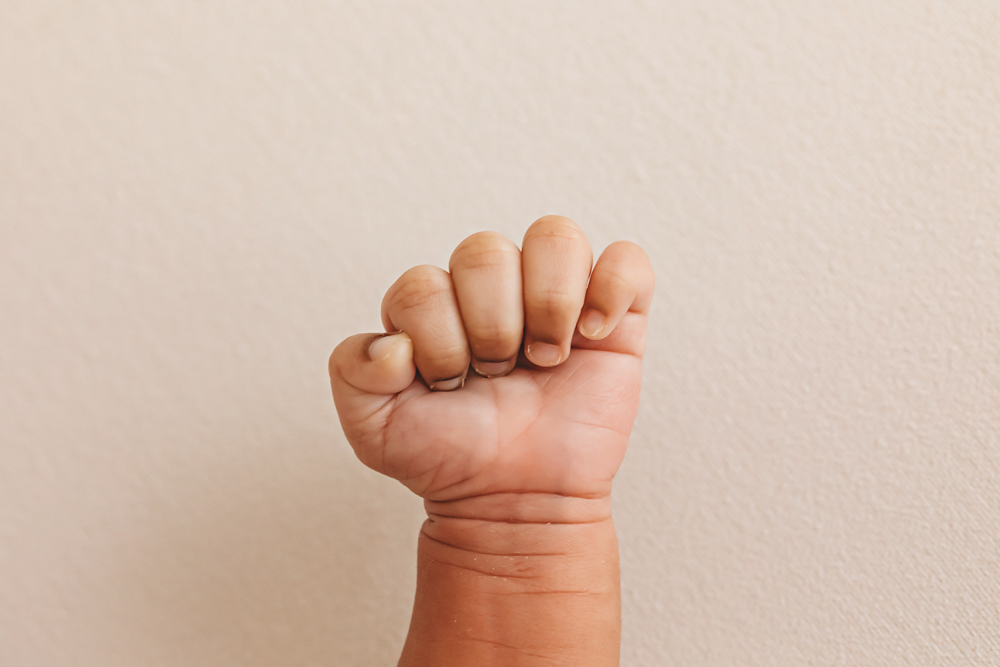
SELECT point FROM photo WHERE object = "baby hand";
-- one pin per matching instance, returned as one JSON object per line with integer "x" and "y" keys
{"x": 555, "y": 352}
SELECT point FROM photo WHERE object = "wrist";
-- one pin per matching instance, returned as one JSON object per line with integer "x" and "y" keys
{"x": 536, "y": 538}
{"x": 523, "y": 508}
{"x": 523, "y": 589}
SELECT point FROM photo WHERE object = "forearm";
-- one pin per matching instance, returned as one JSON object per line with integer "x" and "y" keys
{"x": 522, "y": 579}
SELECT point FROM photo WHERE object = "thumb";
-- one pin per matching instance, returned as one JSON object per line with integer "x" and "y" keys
{"x": 367, "y": 371}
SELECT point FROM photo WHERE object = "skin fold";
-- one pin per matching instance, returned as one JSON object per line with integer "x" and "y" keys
{"x": 503, "y": 394}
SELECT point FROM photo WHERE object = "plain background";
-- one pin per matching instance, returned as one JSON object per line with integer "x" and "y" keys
{"x": 198, "y": 200}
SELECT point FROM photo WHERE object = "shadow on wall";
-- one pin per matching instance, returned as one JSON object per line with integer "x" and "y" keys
{"x": 285, "y": 558}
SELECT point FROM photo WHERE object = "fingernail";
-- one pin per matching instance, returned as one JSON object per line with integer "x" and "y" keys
{"x": 448, "y": 385}
{"x": 542, "y": 354}
{"x": 592, "y": 324}
{"x": 382, "y": 347}
{"x": 493, "y": 369}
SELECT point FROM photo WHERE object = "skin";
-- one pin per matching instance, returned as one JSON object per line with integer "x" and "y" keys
{"x": 504, "y": 394}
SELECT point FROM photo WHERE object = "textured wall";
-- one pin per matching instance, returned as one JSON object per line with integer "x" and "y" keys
{"x": 198, "y": 200}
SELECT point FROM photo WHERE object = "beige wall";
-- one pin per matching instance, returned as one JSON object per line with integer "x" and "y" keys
{"x": 198, "y": 200}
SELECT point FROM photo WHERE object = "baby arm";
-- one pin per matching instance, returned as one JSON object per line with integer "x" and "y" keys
{"x": 517, "y": 560}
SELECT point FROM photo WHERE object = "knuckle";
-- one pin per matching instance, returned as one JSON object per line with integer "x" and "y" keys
{"x": 555, "y": 228}
{"x": 614, "y": 279}
{"x": 485, "y": 334}
{"x": 626, "y": 248}
{"x": 421, "y": 286}
{"x": 483, "y": 249}
{"x": 626, "y": 261}
{"x": 555, "y": 220}
{"x": 447, "y": 354}
{"x": 551, "y": 302}
{"x": 487, "y": 239}
{"x": 630, "y": 257}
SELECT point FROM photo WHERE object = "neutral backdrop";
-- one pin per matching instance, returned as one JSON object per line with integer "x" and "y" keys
{"x": 198, "y": 200}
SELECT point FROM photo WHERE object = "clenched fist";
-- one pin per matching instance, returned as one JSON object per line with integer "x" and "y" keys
{"x": 504, "y": 395}
{"x": 514, "y": 371}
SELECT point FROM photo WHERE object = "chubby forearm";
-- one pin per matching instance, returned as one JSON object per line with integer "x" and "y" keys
{"x": 523, "y": 579}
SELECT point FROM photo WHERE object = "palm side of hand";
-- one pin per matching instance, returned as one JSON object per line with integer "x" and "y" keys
{"x": 556, "y": 351}
{"x": 561, "y": 431}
